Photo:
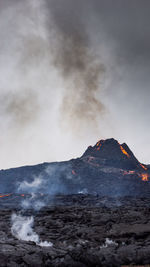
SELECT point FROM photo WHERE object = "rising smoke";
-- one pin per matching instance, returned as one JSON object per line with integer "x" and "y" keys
{"x": 82, "y": 74}
{"x": 48, "y": 183}
{"x": 33, "y": 186}
{"x": 71, "y": 73}
{"x": 22, "y": 226}
{"x": 51, "y": 80}
{"x": 22, "y": 229}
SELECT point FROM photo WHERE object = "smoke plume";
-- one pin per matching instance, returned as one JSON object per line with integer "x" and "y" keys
{"x": 33, "y": 203}
{"x": 22, "y": 226}
{"x": 81, "y": 69}
{"x": 22, "y": 229}
{"x": 82, "y": 74}
{"x": 48, "y": 182}
{"x": 33, "y": 186}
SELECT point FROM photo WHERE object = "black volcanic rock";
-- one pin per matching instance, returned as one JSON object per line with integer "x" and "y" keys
{"x": 108, "y": 168}
{"x": 113, "y": 154}
{"x": 90, "y": 231}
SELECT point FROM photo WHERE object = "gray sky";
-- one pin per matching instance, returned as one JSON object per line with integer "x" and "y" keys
{"x": 71, "y": 73}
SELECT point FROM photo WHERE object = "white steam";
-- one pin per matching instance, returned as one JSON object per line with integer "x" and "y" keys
{"x": 84, "y": 191}
{"x": 32, "y": 202}
{"x": 22, "y": 229}
{"x": 34, "y": 185}
{"x": 109, "y": 242}
{"x": 22, "y": 226}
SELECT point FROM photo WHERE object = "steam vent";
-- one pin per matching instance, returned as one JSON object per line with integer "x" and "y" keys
{"x": 107, "y": 169}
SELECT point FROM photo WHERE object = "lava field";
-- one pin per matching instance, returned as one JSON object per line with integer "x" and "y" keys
{"x": 84, "y": 230}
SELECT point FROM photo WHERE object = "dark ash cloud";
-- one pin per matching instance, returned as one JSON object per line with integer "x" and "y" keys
{"x": 21, "y": 108}
{"x": 79, "y": 66}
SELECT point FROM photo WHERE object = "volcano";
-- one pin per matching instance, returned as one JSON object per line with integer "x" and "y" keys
{"x": 107, "y": 169}
{"x": 110, "y": 153}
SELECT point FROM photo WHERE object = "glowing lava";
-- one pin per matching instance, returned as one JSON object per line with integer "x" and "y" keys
{"x": 124, "y": 151}
{"x": 99, "y": 144}
{"x": 144, "y": 177}
{"x": 7, "y": 195}
{"x": 143, "y": 167}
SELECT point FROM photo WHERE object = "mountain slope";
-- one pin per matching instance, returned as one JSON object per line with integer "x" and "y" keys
{"x": 108, "y": 168}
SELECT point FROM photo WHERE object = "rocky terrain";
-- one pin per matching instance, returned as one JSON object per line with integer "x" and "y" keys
{"x": 85, "y": 231}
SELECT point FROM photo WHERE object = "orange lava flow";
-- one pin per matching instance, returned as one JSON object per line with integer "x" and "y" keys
{"x": 5, "y": 195}
{"x": 124, "y": 151}
{"x": 98, "y": 145}
{"x": 144, "y": 177}
{"x": 143, "y": 167}
{"x": 8, "y": 195}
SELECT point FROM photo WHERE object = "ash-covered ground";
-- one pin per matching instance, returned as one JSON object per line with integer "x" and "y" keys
{"x": 85, "y": 230}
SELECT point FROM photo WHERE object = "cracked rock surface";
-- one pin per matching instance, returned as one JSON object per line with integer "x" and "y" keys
{"x": 85, "y": 231}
